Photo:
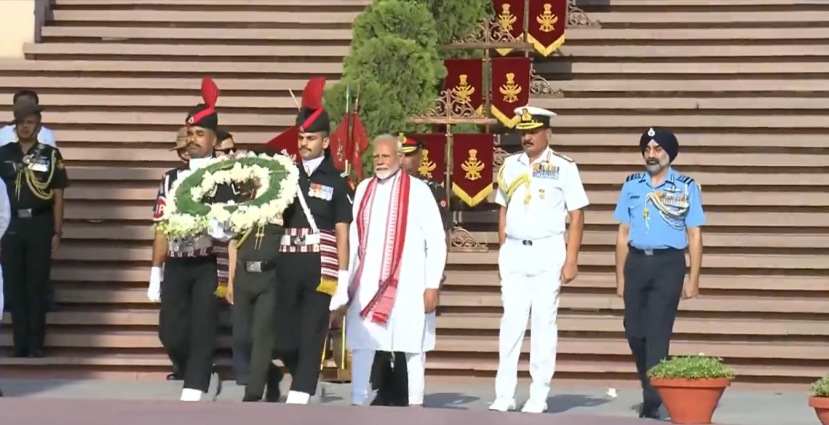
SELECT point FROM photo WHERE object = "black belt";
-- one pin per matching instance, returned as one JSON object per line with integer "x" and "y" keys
{"x": 259, "y": 266}
{"x": 654, "y": 252}
{"x": 31, "y": 212}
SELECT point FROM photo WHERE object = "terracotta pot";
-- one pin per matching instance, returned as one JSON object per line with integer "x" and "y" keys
{"x": 691, "y": 401}
{"x": 821, "y": 406}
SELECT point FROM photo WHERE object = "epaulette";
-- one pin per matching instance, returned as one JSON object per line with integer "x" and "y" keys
{"x": 685, "y": 179}
{"x": 634, "y": 176}
{"x": 563, "y": 157}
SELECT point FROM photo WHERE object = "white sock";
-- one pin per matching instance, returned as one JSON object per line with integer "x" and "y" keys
{"x": 189, "y": 394}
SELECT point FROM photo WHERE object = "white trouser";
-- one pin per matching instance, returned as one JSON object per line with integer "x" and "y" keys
{"x": 2, "y": 300}
{"x": 361, "y": 361}
{"x": 530, "y": 281}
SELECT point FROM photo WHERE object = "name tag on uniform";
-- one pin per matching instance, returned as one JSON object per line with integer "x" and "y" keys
{"x": 40, "y": 165}
{"x": 545, "y": 170}
{"x": 321, "y": 191}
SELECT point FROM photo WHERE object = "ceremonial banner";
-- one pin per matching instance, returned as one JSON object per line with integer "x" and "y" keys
{"x": 465, "y": 78}
{"x": 510, "y": 88}
{"x": 433, "y": 162}
{"x": 509, "y": 16}
{"x": 472, "y": 174}
{"x": 286, "y": 143}
{"x": 548, "y": 19}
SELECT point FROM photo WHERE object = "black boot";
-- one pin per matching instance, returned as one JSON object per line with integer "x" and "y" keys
{"x": 649, "y": 410}
{"x": 272, "y": 393}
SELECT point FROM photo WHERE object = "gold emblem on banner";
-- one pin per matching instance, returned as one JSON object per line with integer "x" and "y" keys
{"x": 463, "y": 90}
{"x": 510, "y": 89}
{"x": 473, "y": 166}
{"x": 506, "y": 19}
{"x": 426, "y": 165}
{"x": 547, "y": 19}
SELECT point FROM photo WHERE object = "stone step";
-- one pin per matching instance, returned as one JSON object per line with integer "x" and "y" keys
{"x": 606, "y": 197}
{"x": 708, "y": 303}
{"x": 217, "y": 3}
{"x": 218, "y": 52}
{"x": 454, "y": 323}
{"x": 803, "y": 161}
{"x": 74, "y": 251}
{"x": 674, "y": 19}
{"x": 279, "y": 88}
{"x": 708, "y": 179}
{"x": 734, "y": 240}
{"x": 625, "y": 139}
{"x": 278, "y": 122}
{"x": 715, "y": 218}
{"x": 175, "y": 103}
{"x": 575, "y": 36}
{"x": 546, "y": 67}
{"x": 211, "y": 17}
{"x": 123, "y": 211}
{"x": 78, "y": 276}
{"x": 451, "y": 299}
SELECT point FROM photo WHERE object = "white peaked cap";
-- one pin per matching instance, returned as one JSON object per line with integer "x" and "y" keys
{"x": 534, "y": 111}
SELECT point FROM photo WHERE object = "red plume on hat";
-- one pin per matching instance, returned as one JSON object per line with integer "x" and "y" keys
{"x": 310, "y": 110}
{"x": 210, "y": 95}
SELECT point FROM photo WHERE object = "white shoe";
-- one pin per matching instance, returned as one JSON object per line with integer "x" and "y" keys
{"x": 502, "y": 405}
{"x": 532, "y": 406}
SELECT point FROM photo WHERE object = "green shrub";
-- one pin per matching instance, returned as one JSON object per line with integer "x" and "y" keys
{"x": 456, "y": 18}
{"x": 820, "y": 388}
{"x": 691, "y": 367}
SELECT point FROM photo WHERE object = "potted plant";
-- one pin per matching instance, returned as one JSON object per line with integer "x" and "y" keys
{"x": 691, "y": 386}
{"x": 820, "y": 399}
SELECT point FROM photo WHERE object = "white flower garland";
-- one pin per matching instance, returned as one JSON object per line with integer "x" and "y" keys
{"x": 267, "y": 206}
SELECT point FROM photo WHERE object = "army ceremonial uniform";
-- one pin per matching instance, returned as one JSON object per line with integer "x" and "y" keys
{"x": 389, "y": 374}
{"x": 32, "y": 178}
{"x": 311, "y": 273}
{"x": 188, "y": 319}
{"x": 254, "y": 308}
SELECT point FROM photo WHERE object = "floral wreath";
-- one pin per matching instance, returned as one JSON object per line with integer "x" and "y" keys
{"x": 188, "y": 216}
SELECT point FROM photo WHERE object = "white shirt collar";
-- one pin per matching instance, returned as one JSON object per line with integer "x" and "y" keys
{"x": 311, "y": 165}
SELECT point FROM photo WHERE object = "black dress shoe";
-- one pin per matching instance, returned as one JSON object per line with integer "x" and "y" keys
{"x": 251, "y": 399}
{"x": 21, "y": 352}
{"x": 35, "y": 353}
{"x": 1, "y": 393}
{"x": 175, "y": 377}
{"x": 272, "y": 393}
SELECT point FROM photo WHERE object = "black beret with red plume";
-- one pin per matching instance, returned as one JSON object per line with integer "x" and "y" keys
{"x": 312, "y": 117}
{"x": 204, "y": 114}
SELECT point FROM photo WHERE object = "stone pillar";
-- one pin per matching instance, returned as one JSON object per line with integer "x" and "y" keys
{"x": 17, "y": 26}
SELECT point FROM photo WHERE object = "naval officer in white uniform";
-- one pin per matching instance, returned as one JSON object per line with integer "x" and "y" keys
{"x": 538, "y": 189}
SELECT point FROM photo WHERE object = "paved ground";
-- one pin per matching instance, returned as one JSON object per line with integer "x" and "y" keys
{"x": 738, "y": 406}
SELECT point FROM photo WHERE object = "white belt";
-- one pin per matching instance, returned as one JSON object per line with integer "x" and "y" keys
{"x": 303, "y": 240}
{"x": 201, "y": 242}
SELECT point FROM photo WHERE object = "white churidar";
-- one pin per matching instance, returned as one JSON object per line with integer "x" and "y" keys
{"x": 5, "y": 218}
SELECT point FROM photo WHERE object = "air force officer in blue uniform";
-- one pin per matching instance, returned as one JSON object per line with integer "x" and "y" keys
{"x": 660, "y": 216}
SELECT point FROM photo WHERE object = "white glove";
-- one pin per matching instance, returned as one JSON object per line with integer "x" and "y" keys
{"x": 154, "y": 290}
{"x": 340, "y": 297}
{"x": 218, "y": 230}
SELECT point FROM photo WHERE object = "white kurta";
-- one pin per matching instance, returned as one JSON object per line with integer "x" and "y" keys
{"x": 409, "y": 328}
{"x": 5, "y": 218}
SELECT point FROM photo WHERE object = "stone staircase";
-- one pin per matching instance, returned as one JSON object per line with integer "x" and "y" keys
{"x": 743, "y": 83}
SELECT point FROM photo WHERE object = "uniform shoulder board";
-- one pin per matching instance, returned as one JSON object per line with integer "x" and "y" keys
{"x": 633, "y": 177}
{"x": 566, "y": 158}
{"x": 685, "y": 179}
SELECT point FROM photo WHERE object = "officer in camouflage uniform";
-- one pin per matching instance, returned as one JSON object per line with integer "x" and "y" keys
{"x": 389, "y": 374}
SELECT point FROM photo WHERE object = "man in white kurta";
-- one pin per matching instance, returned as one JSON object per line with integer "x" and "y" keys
{"x": 397, "y": 238}
{"x": 5, "y": 218}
